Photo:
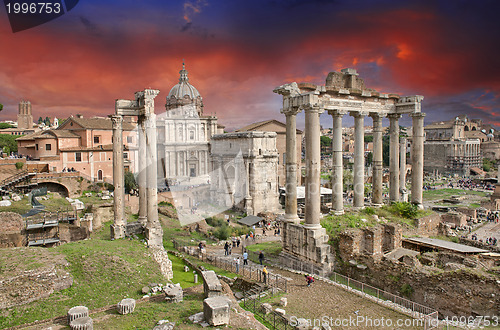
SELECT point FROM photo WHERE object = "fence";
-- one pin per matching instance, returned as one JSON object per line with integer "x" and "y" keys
{"x": 272, "y": 320}
{"x": 417, "y": 311}
{"x": 249, "y": 272}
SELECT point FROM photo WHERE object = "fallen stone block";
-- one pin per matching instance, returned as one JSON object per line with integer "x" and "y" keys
{"x": 211, "y": 284}
{"x": 145, "y": 290}
{"x": 280, "y": 311}
{"x": 216, "y": 310}
{"x": 196, "y": 318}
{"x": 164, "y": 325}
{"x": 267, "y": 308}
{"x": 173, "y": 294}
{"x": 283, "y": 302}
{"x": 77, "y": 312}
{"x": 126, "y": 306}
{"x": 82, "y": 323}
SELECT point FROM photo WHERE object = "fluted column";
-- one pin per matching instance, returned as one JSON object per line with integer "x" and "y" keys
{"x": 118, "y": 229}
{"x": 142, "y": 177}
{"x": 394, "y": 157}
{"x": 377, "y": 176}
{"x": 337, "y": 166}
{"x": 402, "y": 171}
{"x": 417, "y": 163}
{"x": 359, "y": 160}
{"x": 154, "y": 232}
{"x": 313, "y": 168}
{"x": 291, "y": 166}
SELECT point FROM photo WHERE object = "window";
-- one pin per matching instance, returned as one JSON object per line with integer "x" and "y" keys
{"x": 125, "y": 155}
{"x": 97, "y": 139}
{"x": 48, "y": 146}
{"x": 78, "y": 156}
{"x": 129, "y": 139}
{"x": 191, "y": 135}
{"x": 36, "y": 146}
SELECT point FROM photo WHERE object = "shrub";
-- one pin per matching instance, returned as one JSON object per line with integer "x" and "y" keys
{"x": 405, "y": 209}
{"x": 19, "y": 165}
{"x": 223, "y": 232}
{"x": 406, "y": 290}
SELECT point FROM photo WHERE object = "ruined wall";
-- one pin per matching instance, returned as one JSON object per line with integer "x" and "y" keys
{"x": 71, "y": 233}
{"x": 429, "y": 225}
{"x": 13, "y": 230}
{"x": 472, "y": 213}
{"x": 454, "y": 218}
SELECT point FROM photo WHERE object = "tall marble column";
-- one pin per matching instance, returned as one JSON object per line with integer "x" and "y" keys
{"x": 337, "y": 166}
{"x": 394, "y": 157}
{"x": 377, "y": 176}
{"x": 359, "y": 159}
{"x": 417, "y": 163}
{"x": 119, "y": 226}
{"x": 402, "y": 171}
{"x": 291, "y": 166}
{"x": 153, "y": 232}
{"x": 142, "y": 177}
{"x": 313, "y": 168}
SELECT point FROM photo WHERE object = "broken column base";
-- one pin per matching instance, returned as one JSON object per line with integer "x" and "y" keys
{"x": 216, "y": 310}
{"x": 306, "y": 249}
{"x": 154, "y": 236}
{"x": 117, "y": 231}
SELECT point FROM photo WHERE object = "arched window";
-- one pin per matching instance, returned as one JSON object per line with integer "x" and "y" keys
{"x": 99, "y": 175}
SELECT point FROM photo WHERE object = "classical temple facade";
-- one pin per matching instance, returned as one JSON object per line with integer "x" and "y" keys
{"x": 305, "y": 246}
{"x": 184, "y": 133}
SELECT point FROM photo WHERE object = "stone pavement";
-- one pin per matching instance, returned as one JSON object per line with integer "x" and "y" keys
{"x": 490, "y": 229}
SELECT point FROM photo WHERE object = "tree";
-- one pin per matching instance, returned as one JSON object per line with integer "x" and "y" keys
{"x": 130, "y": 182}
{"x": 369, "y": 158}
{"x": 47, "y": 121}
{"x": 325, "y": 141}
{"x": 1, "y": 106}
{"x": 9, "y": 141}
{"x": 368, "y": 138}
{"x": 40, "y": 120}
{"x": 5, "y": 125}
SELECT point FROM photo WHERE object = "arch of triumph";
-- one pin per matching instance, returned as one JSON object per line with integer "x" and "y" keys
{"x": 305, "y": 246}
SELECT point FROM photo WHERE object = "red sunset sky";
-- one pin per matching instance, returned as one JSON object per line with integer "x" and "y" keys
{"x": 236, "y": 52}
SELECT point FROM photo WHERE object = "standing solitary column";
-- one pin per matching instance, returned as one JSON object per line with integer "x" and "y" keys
{"x": 394, "y": 157}
{"x": 154, "y": 232}
{"x": 337, "y": 167}
{"x": 359, "y": 160}
{"x": 313, "y": 159}
{"x": 291, "y": 167}
{"x": 377, "y": 176}
{"x": 402, "y": 171}
{"x": 142, "y": 177}
{"x": 118, "y": 229}
{"x": 417, "y": 164}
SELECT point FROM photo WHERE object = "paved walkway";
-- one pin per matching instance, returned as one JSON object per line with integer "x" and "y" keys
{"x": 490, "y": 229}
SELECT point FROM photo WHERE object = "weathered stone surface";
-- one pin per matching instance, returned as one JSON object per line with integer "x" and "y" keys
{"x": 126, "y": 306}
{"x": 283, "y": 301}
{"x": 77, "y": 312}
{"x": 216, "y": 310}
{"x": 145, "y": 290}
{"x": 173, "y": 293}
{"x": 267, "y": 308}
{"x": 197, "y": 318}
{"x": 82, "y": 323}
{"x": 280, "y": 311}
{"x": 164, "y": 325}
{"x": 161, "y": 257}
{"x": 211, "y": 284}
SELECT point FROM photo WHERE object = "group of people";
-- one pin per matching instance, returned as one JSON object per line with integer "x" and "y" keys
{"x": 488, "y": 241}
{"x": 69, "y": 169}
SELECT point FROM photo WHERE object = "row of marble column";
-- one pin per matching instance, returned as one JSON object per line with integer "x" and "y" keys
{"x": 147, "y": 180}
{"x": 313, "y": 162}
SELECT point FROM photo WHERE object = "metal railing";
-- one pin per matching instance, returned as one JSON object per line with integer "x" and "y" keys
{"x": 249, "y": 272}
{"x": 271, "y": 319}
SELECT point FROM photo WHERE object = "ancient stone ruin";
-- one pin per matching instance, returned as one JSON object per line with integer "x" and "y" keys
{"x": 344, "y": 92}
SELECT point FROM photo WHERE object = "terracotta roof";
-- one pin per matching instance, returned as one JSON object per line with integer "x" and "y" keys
{"x": 255, "y": 126}
{"x": 63, "y": 133}
{"x": 97, "y": 123}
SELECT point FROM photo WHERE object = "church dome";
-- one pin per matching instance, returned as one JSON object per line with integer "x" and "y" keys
{"x": 183, "y": 88}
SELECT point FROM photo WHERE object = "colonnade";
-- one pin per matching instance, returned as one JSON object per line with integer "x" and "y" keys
{"x": 143, "y": 108}
{"x": 313, "y": 161}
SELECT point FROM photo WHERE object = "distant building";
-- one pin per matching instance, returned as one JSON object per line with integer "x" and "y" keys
{"x": 82, "y": 144}
{"x": 447, "y": 148}
{"x": 280, "y": 129}
{"x": 24, "y": 121}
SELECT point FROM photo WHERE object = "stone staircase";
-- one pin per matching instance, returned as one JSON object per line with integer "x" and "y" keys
{"x": 14, "y": 181}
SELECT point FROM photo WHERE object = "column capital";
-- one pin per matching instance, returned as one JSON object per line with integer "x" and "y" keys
{"x": 358, "y": 113}
{"x": 393, "y": 115}
{"x": 377, "y": 115}
{"x": 313, "y": 108}
{"x": 337, "y": 112}
{"x": 417, "y": 114}
{"x": 291, "y": 111}
{"x": 117, "y": 121}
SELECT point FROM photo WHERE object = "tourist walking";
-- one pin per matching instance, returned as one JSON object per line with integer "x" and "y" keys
{"x": 245, "y": 258}
{"x": 265, "y": 272}
{"x": 226, "y": 249}
{"x": 261, "y": 257}
{"x": 237, "y": 263}
{"x": 309, "y": 280}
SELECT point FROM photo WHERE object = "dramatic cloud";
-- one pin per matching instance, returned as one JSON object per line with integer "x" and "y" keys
{"x": 237, "y": 52}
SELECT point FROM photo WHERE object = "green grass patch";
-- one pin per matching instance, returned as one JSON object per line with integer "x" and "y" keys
{"x": 269, "y": 248}
{"x": 185, "y": 279}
